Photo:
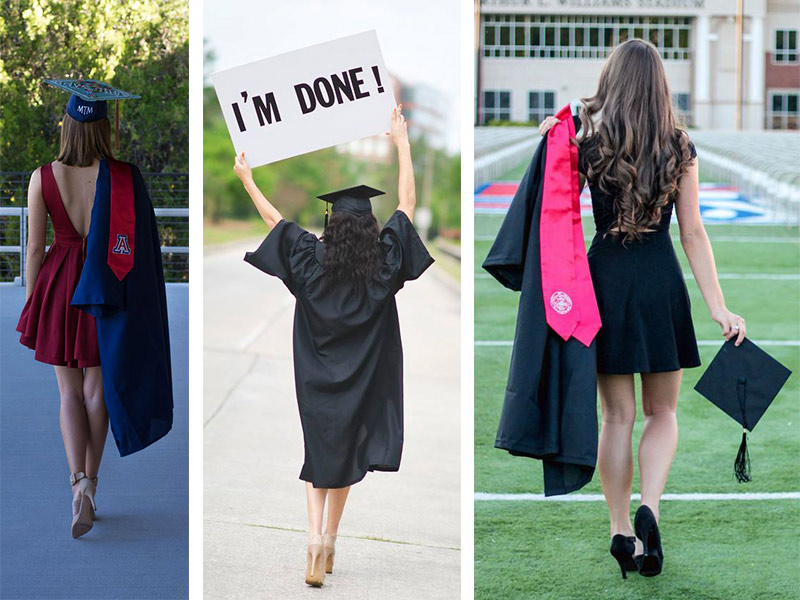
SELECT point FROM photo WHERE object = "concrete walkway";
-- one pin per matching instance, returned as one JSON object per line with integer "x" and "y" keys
{"x": 400, "y": 534}
{"x": 138, "y": 547}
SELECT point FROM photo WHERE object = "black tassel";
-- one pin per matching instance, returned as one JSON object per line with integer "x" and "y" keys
{"x": 326, "y": 216}
{"x": 741, "y": 467}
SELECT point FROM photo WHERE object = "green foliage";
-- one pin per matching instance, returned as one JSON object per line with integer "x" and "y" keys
{"x": 141, "y": 47}
{"x": 293, "y": 184}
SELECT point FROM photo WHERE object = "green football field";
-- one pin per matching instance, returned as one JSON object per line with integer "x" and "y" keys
{"x": 713, "y": 549}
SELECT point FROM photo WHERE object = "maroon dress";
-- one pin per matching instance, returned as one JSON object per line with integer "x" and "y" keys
{"x": 59, "y": 333}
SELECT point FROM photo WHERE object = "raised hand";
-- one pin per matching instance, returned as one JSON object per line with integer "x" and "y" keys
{"x": 399, "y": 128}
{"x": 242, "y": 169}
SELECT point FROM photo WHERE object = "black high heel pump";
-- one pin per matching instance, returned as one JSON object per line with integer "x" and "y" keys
{"x": 646, "y": 527}
{"x": 622, "y": 548}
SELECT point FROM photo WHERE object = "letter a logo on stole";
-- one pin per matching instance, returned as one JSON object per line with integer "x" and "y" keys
{"x": 122, "y": 221}
{"x": 122, "y": 245}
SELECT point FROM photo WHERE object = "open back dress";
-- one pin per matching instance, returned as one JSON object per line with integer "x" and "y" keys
{"x": 59, "y": 333}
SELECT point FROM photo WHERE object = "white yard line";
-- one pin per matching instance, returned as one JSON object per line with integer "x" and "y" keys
{"x": 747, "y": 276}
{"x": 699, "y": 342}
{"x": 714, "y": 239}
{"x": 487, "y": 497}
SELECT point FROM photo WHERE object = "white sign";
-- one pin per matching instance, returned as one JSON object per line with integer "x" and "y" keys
{"x": 306, "y": 100}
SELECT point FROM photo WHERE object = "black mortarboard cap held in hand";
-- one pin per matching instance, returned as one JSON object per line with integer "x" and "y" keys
{"x": 743, "y": 381}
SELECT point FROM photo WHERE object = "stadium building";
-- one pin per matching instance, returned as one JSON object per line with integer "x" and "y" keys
{"x": 534, "y": 56}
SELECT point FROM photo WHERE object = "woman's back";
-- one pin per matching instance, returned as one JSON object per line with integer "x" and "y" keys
{"x": 76, "y": 187}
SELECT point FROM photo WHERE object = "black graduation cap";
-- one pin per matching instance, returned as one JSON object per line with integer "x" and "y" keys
{"x": 743, "y": 380}
{"x": 354, "y": 200}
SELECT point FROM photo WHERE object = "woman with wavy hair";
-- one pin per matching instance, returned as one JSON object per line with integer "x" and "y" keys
{"x": 348, "y": 358}
{"x": 640, "y": 169}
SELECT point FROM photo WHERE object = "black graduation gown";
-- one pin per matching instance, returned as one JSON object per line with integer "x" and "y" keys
{"x": 131, "y": 320}
{"x": 348, "y": 357}
{"x": 550, "y": 406}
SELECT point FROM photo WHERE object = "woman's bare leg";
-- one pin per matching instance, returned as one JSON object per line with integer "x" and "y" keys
{"x": 97, "y": 418}
{"x": 72, "y": 417}
{"x": 336, "y": 501}
{"x": 316, "y": 507}
{"x": 660, "y": 435}
{"x": 614, "y": 452}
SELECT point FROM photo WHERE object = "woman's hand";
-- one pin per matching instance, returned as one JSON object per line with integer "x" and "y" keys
{"x": 399, "y": 130}
{"x": 732, "y": 325}
{"x": 545, "y": 125}
{"x": 242, "y": 169}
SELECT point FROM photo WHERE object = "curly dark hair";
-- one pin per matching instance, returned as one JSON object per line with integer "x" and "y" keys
{"x": 352, "y": 249}
{"x": 640, "y": 154}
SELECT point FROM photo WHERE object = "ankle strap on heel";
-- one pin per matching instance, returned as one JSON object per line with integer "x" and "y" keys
{"x": 76, "y": 477}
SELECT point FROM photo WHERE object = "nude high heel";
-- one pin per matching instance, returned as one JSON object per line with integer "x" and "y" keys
{"x": 81, "y": 505}
{"x": 315, "y": 569}
{"x": 329, "y": 545}
{"x": 90, "y": 493}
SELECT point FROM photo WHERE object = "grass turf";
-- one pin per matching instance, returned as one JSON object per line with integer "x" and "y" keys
{"x": 721, "y": 551}
{"x": 732, "y": 549}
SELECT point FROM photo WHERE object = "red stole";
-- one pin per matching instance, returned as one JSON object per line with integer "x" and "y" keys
{"x": 569, "y": 301}
{"x": 122, "y": 222}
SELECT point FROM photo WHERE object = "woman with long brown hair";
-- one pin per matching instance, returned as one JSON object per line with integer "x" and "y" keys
{"x": 61, "y": 334}
{"x": 641, "y": 168}
{"x": 348, "y": 358}
{"x": 90, "y": 300}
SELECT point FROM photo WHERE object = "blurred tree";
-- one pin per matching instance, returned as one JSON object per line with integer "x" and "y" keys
{"x": 293, "y": 184}
{"x": 140, "y": 46}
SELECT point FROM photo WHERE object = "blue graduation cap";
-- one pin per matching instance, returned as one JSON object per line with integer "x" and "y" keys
{"x": 88, "y": 100}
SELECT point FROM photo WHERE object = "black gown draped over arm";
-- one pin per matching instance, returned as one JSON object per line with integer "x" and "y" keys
{"x": 550, "y": 405}
{"x": 348, "y": 355}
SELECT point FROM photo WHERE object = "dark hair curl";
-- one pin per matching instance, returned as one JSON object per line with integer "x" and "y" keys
{"x": 352, "y": 249}
{"x": 640, "y": 154}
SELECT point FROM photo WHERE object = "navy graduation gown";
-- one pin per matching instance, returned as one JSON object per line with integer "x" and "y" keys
{"x": 131, "y": 319}
{"x": 550, "y": 406}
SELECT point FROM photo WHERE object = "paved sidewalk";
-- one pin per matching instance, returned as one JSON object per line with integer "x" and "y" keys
{"x": 138, "y": 547}
{"x": 400, "y": 534}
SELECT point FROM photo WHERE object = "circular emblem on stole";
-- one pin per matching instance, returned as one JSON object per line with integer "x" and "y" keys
{"x": 561, "y": 302}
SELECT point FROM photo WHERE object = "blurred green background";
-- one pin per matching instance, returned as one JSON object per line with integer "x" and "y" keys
{"x": 141, "y": 47}
{"x": 293, "y": 184}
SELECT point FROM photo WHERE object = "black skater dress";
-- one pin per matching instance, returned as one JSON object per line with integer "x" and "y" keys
{"x": 641, "y": 293}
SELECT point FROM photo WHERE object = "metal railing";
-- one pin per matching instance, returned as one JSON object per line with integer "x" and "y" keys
{"x": 169, "y": 193}
{"x": 780, "y": 198}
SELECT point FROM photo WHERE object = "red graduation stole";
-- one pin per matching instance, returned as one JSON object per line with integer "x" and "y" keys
{"x": 122, "y": 221}
{"x": 569, "y": 301}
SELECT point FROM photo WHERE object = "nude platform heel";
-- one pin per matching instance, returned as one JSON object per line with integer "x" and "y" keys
{"x": 329, "y": 545}
{"x": 82, "y": 504}
{"x": 315, "y": 568}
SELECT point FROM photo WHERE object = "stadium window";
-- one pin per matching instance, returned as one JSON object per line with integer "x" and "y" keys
{"x": 783, "y": 110}
{"x": 682, "y": 102}
{"x": 785, "y": 46}
{"x": 519, "y": 40}
{"x": 488, "y": 35}
{"x": 496, "y": 105}
{"x": 584, "y": 36}
{"x": 541, "y": 104}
